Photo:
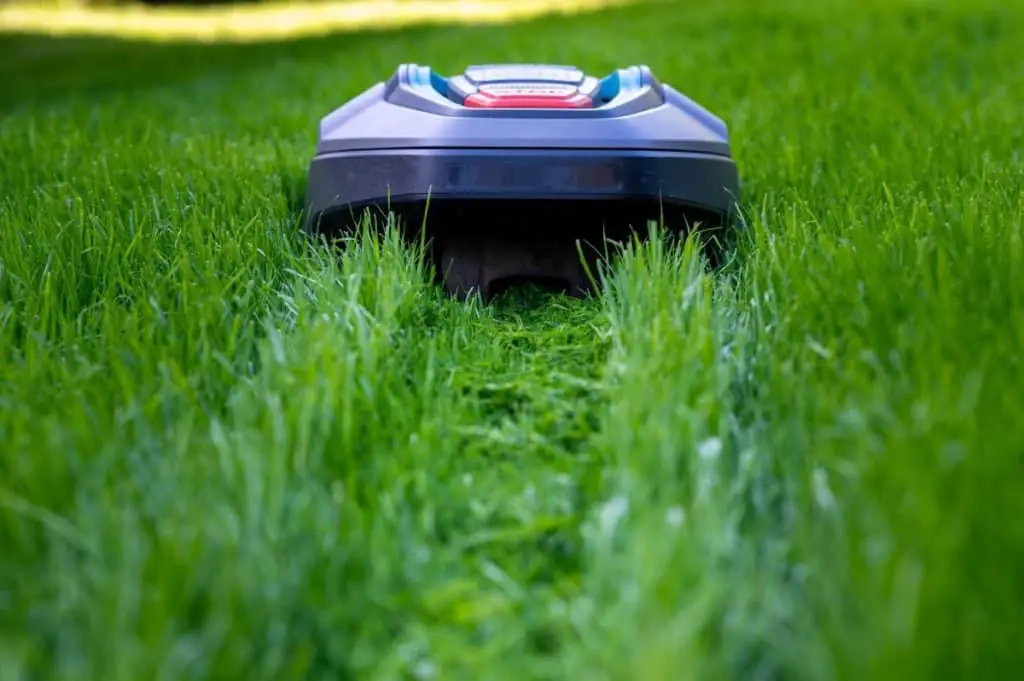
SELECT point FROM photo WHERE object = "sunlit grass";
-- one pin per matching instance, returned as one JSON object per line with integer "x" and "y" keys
{"x": 265, "y": 21}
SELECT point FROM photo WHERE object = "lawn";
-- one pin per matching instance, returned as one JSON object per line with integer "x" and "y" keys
{"x": 227, "y": 455}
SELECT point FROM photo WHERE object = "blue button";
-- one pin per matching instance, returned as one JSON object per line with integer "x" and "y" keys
{"x": 424, "y": 76}
{"x": 625, "y": 81}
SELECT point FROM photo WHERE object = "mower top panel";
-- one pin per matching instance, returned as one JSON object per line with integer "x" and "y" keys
{"x": 523, "y": 106}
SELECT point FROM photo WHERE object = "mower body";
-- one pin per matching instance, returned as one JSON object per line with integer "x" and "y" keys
{"x": 511, "y": 167}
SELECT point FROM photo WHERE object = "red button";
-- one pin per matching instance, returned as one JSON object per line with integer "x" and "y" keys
{"x": 528, "y": 97}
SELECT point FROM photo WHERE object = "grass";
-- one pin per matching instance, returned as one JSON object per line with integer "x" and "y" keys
{"x": 226, "y": 455}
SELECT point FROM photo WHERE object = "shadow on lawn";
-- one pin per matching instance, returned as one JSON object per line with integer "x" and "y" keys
{"x": 38, "y": 68}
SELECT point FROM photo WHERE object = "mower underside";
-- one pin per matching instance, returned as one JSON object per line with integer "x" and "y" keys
{"x": 490, "y": 245}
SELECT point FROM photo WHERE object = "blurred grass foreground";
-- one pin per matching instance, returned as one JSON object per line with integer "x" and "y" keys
{"x": 247, "y": 21}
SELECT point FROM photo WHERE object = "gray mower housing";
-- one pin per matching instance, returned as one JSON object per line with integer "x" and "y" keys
{"x": 524, "y": 143}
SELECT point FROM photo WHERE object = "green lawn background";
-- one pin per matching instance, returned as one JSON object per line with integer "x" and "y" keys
{"x": 225, "y": 455}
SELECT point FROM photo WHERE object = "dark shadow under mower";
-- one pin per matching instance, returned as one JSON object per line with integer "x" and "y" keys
{"x": 522, "y": 172}
{"x": 491, "y": 245}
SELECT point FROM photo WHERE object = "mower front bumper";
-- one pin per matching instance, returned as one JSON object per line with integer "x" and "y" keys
{"x": 342, "y": 185}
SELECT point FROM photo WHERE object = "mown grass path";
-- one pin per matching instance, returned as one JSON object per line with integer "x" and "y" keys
{"x": 225, "y": 455}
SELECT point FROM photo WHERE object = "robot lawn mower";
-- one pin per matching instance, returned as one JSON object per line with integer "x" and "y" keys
{"x": 508, "y": 166}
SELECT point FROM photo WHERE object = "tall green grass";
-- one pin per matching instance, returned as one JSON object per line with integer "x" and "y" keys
{"x": 227, "y": 453}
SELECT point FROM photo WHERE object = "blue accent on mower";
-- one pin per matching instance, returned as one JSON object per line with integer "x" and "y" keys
{"x": 508, "y": 166}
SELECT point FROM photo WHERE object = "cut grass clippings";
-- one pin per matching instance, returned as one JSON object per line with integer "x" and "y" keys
{"x": 227, "y": 453}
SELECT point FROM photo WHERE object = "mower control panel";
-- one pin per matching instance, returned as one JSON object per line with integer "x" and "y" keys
{"x": 525, "y": 86}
